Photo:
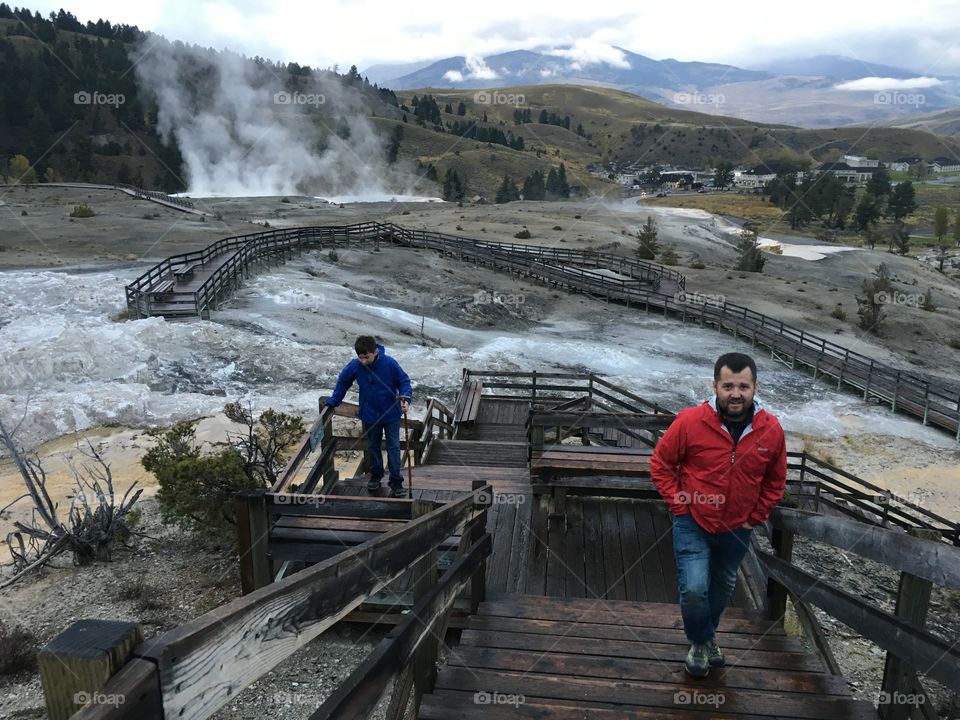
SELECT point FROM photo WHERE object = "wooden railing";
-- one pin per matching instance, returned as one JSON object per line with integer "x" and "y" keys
{"x": 821, "y": 486}
{"x": 922, "y": 559}
{"x": 191, "y": 671}
{"x": 932, "y": 400}
{"x": 437, "y": 423}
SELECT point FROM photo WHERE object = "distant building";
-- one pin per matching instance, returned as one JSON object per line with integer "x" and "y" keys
{"x": 678, "y": 180}
{"x": 848, "y": 174}
{"x": 858, "y": 161}
{"x": 903, "y": 164}
{"x": 944, "y": 164}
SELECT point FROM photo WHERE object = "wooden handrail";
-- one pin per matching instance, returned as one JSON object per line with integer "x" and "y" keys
{"x": 197, "y": 667}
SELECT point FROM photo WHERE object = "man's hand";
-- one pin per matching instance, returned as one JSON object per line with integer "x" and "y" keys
{"x": 746, "y": 526}
{"x": 404, "y": 405}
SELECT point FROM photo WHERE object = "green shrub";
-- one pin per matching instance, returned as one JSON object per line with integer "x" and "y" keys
{"x": 838, "y": 312}
{"x": 197, "y": 490}
{"x": 523, "y": 234}
{"x": 82, "y": 211}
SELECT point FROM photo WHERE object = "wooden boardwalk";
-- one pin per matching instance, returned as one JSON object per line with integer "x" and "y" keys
{"x": 525, "y": 656}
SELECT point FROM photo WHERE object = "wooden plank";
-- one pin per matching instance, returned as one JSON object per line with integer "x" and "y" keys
{"x": 536, "y": 583}
{"x": 504, "y": 516}
{"x": 663, "y": 528}
{"x": 612, "y": 556}
{"x": 520, "y": 549}
{"x": 138, "y": 684}
{"x": 574, "y": 550}
{"x": 630, "y": 549}
{"x": 338, "y": 506}
{"x": 649, "y": 695}
{"x": 653, "y": 577}
{"x": 556, "y": 567}
{"x": 559, "y": 664}
{"x": 634, "y": 645}
{"x": 594, "y": 577}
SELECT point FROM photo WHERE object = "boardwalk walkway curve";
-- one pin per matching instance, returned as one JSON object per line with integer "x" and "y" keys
{"x": 191, "y": 284}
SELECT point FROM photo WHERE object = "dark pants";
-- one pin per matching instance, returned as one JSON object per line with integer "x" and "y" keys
{"x": 707, "y": 566}
{"x": 375, "y": 433}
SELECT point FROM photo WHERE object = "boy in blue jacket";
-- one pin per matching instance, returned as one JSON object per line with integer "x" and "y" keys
{"x": 385, "y": 395}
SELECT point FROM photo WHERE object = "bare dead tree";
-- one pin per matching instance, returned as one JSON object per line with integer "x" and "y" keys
{"x": 95, "y": 520}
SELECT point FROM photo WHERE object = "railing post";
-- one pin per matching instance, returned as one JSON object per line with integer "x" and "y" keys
{"x": 424, "y": 577}
{"x": 77, "y": 663}
{"x": 253, "y": 530}
{"x": 913, "y": 601}
{"x": 478, "y": 583}
{"x": 782, "y": 541}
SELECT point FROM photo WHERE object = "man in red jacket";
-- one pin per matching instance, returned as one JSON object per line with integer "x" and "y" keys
{"x": 720, "y": 467}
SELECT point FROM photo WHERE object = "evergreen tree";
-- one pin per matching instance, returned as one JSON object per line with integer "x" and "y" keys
{"x": 454, "y": 189}
{"x": 956, "y": 230}
{"x": 563, "y": 187}
{"x": 393, "y": 144}
{"x": 751, "y": 258}
{"x": 461, "y": 109}
{"x": 902, "y": 201}
{"x": 879, "y": 183}
{"x": 533, "y": 186}
{"x": 648, "y": 247}
{"x": 507, "y": 192}
{"x": 723, "y": 174}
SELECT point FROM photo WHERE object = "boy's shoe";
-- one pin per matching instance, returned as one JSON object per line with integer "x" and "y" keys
{"x": 697, "y": 663}
{"x": 373, "y": 485}
{"x": 397, "y": 491}
{"x": 715, "y": 654}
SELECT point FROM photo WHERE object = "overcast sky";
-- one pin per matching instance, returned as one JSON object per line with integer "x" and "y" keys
{"x": 921, "y": 35}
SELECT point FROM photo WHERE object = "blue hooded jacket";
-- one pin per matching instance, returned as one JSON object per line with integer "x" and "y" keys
{"x": 381, "y": 386}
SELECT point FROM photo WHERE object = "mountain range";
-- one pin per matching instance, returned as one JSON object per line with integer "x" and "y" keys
{"x": 808, "y": 92}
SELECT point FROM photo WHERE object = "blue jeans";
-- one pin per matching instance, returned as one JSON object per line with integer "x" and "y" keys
{"x": 375, "y": 433}
{"x": 706, "y": 573}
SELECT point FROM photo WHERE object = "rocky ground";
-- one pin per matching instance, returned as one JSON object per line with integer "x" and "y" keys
{"x": 167, "y": 578}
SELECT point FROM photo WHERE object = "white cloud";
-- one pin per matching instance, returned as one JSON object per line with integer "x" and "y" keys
{"x": 875, "y": 84}
{"x": 453, "y": 76}
{"x": 591, "y": 52}
{"x": 477, "y": 69}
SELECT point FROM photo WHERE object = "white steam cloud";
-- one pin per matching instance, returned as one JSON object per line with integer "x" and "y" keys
{"x": 244, "y": 130}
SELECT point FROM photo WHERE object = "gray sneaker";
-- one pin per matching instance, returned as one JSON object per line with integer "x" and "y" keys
{"x": 715, "y": 654}
{"x": 697, "y": 664}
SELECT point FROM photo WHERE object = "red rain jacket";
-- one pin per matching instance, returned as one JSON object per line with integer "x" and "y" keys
{"x": 697, "y": 469}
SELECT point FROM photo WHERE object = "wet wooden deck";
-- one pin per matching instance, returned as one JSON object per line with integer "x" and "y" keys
{"x": 526, "y": 656}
